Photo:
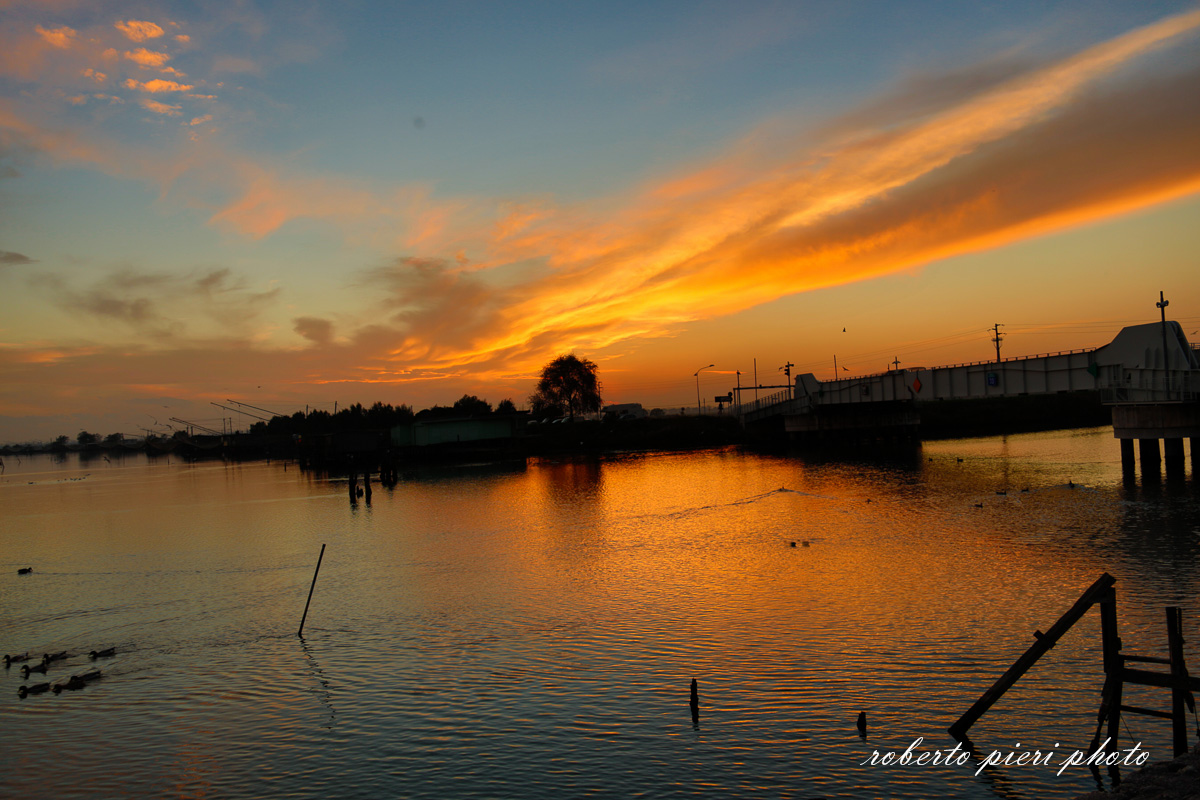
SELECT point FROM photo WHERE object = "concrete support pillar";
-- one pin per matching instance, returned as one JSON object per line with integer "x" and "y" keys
{"x": 1151, "y": 460}
{"x": 1174, "y": 456}
{"x": 1127, "y": 458}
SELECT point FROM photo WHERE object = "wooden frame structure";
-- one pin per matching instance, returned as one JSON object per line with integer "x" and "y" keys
{"x": 1116, "y": 673}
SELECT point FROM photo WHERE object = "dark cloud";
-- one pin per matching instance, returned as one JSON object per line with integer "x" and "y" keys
{"x": 8, "y": 258}
{"x": 315, "y": 329}
{"x": 433, "y": 302}
{"x": 161, "y": 304}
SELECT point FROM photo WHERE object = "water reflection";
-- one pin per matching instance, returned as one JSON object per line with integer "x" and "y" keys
{"x": 527, "y": 630}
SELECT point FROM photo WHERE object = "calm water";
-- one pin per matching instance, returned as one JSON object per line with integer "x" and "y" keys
{"x": 488, "y": 632}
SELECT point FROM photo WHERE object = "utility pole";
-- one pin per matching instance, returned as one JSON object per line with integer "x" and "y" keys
{"x": 1162, "y": 310}
{"x": 997, "y": 339}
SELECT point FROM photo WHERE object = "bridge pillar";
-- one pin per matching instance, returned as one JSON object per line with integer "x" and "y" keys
{"x": 1151, "y": 460}
{"x": 1127, "y": 458}
{"x": 1174, "y": 457}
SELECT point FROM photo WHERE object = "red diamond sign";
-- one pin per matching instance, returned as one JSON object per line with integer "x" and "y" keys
{"x": 917, "y": 385}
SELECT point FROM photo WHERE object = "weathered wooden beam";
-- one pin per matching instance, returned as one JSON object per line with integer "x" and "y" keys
{"x": 1148, "y": 659}
{"x": 1094, "y": 594}
{"x": 1149, "y": 712}
{"x": 1164, "y": 681}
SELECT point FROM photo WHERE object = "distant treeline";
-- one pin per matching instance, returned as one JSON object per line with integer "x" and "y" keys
{"x": 355, "y": 417}
{"x": 380, "y": 416}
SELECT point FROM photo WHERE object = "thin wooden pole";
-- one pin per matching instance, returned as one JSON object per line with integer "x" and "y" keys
{"x": 310, "y": 592}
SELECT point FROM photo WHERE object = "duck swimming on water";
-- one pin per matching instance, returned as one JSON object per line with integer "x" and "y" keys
{"x": 26, "y": 669}
{"x": 77, "y": 681}
{"x": 50, "y": 658}
{"x": 110, "y": 651}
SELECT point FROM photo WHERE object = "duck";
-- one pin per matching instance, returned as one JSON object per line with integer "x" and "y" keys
{"x": 25, "y": 570}
{"x": 50, "y": 658}
{"x": 105, "y": 653}
{"x": 36, "y": 688}
{"x": 77, "y": 681}
{"x": 979, "y": 505}
{"x": 861, "y": 724}
{"x": 26, "y": 669}
{"x": 14, "y": 659}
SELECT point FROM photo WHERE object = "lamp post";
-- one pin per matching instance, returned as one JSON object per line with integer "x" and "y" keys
{"x": 1162, "y": 308}
{"x": 697, "y": 377}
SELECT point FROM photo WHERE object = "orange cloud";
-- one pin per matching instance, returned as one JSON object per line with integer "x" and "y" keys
{"x": 137, "y": 30}
{"x": 161, "y": 108}
{"x": 147, "y": 58}
{"x": 981, "y": 166}
{"x": 157, "y": 85}
{"x": 269, "y": 199}
{"x": 1054, "y": 148}
{"x": 59, "y": 37}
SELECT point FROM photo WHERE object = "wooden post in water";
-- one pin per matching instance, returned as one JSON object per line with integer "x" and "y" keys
{"x": 1179, "y": 680}
{"x": 1114, "y": 665}
{"x": 300, "y": 632}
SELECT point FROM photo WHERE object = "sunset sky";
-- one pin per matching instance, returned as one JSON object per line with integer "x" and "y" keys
{"x": 299, "y": 203}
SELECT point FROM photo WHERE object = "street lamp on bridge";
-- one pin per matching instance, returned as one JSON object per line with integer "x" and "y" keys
{"x": 696, "y": 375}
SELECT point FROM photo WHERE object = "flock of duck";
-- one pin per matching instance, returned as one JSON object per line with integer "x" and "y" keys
{"x": 76, "y": 681}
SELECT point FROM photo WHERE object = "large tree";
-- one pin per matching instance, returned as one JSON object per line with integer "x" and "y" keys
{"x": 568, "y": 386}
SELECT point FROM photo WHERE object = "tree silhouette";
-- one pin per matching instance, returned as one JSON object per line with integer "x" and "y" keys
{"x": 471, "y": 405}
{"x": 568, "y": 386}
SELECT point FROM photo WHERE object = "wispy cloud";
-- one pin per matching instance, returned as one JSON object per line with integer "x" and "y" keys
{"x": 157, "y": 85}
{"x": 161, "y": 108}
{"x": 217, "y": 304}
{"x": 943, "y": 165}
{"x": 996, "y": 162}
{"x": 147, "y": 58}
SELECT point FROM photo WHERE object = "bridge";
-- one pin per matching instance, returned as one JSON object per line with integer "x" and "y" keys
{"x": 1149, "y": 375}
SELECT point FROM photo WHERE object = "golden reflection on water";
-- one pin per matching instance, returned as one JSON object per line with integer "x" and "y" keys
{"x": 499, "y": 626}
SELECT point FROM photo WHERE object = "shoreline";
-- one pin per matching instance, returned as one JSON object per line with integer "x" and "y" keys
{"x": 1177, "y": 779}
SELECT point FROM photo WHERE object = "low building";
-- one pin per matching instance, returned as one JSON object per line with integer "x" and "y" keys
{"x": 625, "y": 411}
